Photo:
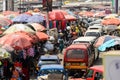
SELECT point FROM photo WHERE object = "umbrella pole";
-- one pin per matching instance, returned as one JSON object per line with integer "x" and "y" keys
{"x": 47, "y": 21}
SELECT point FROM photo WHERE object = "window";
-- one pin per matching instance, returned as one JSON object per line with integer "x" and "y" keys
{"x": 75, "y": 53}
{"x": 98, "y": 76}
{"x": 90, "y": 73}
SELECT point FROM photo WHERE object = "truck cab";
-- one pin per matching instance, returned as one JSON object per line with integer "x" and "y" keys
{"x": 93, "y": 73}
{"x": 78, "y": 57}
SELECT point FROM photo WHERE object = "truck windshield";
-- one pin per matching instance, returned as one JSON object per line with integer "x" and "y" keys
{"x": 75, "y": 54}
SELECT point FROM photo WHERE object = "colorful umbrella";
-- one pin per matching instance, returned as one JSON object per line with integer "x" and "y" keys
{"x": 38, "y": 27}
{"x": 70, "y": 17}
{"x": 35, "y": 19}
{"x": 18, "y": 27}
{"x": 16, "y": 41}
{"x": 110, "y": 43}
{"x": 42, "y": 36}
{"x": 102, "y": 40}
{"x": 5, "y": 22}
{"x": 4, "y": 54}
{"x": 110, "y": 27}
{"x": 21, "y": 18}
{"x": 56, "y": 15}
{"x": 112, "y": 21}
{"x": 111, "y": 16}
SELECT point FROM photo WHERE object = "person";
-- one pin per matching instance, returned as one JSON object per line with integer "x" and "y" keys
{"x": 61, "y": 44}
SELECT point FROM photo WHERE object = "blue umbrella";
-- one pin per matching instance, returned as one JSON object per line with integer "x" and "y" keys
{"x": 109, "y": 44}
{"x": 36, "y": 19}
{"x": 107, "y": 38}
{"x": 21, "y": 18}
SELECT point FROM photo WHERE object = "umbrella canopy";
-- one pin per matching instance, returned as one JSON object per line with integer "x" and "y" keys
{"x": 102, "y": 40}
{"x": 110, "y": 43}
{"x": 110, "y": 27}
{"x": 21, "y": 18}
{"x": 16, "y": 41}
{"x": 111, "y": 16}
{"x": 36, "y": 19}
{"x": 56, "y": 15}
{"x": 87, "y": 13}
{"x": 38, "y": 27}
{"x": 9, "y": 12}
{"x": 99, "y": 14}
{"x": 4, "y": 54}
{"x": 70, "y": 17}
{"x": 18, "y": 27}
{"x": 42, "y": 36}
{"x": 112, "y": 21}
{"x": 5, "y": 22}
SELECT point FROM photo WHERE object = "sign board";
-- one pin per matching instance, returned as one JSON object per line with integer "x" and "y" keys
{"x": 111, "y": 62}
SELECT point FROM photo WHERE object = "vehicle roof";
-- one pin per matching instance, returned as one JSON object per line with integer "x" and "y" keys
{"x": 52, "y": 66}
{"x": 85, "y": 38}
{"x": 80, "y": 45}
{"x": 93, "y": 30}
{"x": 98, "y": 68}
{"x": 49, "y": 57}
{"x": 95, "y": 26}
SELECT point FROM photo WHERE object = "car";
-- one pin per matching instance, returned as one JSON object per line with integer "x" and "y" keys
{"x": 93, "y": 73}
{"x": 96, "y": 27}
{"x": 96, "y": 33}
{"x": 48, "y": 59}
{"x": 52, "y": 72}
{"x": 84, "y": 39}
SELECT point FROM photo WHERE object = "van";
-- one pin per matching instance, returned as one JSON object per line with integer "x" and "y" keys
{"x": 96, "y": 33}
{"x": 95, "y": 27}
{"x": 78, "y": 58}
{"x": 90, "y": 40}
{"x": 85, "y": 39}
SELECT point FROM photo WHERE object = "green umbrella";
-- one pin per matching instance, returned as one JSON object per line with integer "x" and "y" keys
{"x": 18, "y": 27}
{"x": 4, "y": 54}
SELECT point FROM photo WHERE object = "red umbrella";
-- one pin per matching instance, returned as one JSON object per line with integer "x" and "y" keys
{"x": 56, "y": 15}
{"x": 70, "y": 17}
{"x": 38, "y": 27}
{"x": 17, "y": 41}
{"x": 5, "y": 22}
{"x": 9, "y": 12}
{"x": 42, "y": 36}
{"x": 111, "y": 21}
{"x": 87, "y": 13}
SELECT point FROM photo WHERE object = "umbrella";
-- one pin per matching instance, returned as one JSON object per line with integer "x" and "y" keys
{"x": 16, "y": 41}
{"x": 98, "y": 21}
{"x": 70, "y": 17}
{"x": 18, "y": 27}
{"x": 4, "y": 54}
{"x": 56, "y": 15}
{"x": 102, "y": 40}
{"x": 110, "y": 27}
{"x": 38, "y": 27}
{"x": 21, "y": 18}
{"x": 36, "y": 19}
{"x": 5, "y": 22}
{"x": 112, "y": 21}
{"x": 42, "y": 36}
{"x": 110, "y": 43}
{"x": 111, "y": 16}
{"x": 9, "y": 12}
{"x": 87, "y": 13}
{"x": 8, "y": 48}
